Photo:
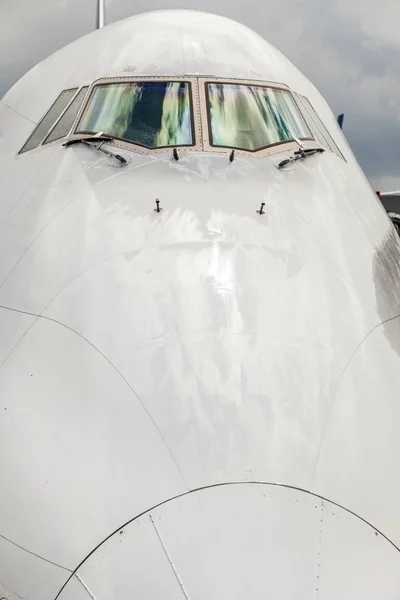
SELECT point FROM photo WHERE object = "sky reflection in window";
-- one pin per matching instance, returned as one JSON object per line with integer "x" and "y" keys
{"x": 153, "y": 113}
{"x": 252, "y": 117}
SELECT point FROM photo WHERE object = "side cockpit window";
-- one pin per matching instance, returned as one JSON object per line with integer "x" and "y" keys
{"x": 317, "y": 127}
{"x": 252, "y": 117}
{"x": 152, "y": 114}
{"x": 64, "y": 124}
{"x": 58, "y": 120}
{"x": 48, "y": 120}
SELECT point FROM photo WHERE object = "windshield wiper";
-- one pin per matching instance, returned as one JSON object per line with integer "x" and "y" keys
{"x": 300, "y": 154}
{"x": 102, "y": 139}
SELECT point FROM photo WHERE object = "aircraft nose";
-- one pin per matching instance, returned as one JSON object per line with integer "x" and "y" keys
{"x": 239, "y": 541}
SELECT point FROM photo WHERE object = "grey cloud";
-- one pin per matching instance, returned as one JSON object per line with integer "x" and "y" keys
{"x": 32, "y": 30}
{"x": 360, "y": 76}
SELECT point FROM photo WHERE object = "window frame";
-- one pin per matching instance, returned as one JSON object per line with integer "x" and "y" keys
{"x": 139, "y": 148}
{"x": 42, "y": 143}
{"x": 275, "y": 148}
{"x": 20, "y": 151}
{"x": 318, "y": 123}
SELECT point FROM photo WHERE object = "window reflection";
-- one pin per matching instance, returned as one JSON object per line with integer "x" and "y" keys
{"x": 252, "y": 117}
{"x": 151, "y": 114}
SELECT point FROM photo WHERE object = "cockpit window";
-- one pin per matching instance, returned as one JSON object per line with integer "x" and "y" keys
{"x": 63, "y": 126}
{"x": 318, "y": 128}
{"x": 48, "y": 120}
{"x": 153, "y": 114}
{"x": 252, "y": 117}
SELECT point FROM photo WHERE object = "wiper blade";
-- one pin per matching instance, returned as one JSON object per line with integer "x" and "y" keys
{"x": 309, "y": 151}
{"x": 300, "y": 155}
{"x": 99, "y": 137}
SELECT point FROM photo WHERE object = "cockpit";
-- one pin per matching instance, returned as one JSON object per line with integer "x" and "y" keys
{"x": 153, "y": 114}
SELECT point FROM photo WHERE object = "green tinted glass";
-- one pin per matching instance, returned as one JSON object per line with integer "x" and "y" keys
{"x": 153, "y": 114}
{"x": 252, "y": 117}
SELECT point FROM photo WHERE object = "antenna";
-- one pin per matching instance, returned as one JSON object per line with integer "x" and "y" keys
{"x": 101, "y": 14}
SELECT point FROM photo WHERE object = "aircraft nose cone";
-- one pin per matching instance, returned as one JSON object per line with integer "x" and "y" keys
{"x": 241, "y": 541}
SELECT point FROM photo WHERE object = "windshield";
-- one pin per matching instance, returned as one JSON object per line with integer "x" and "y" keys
{"x": 154, "y": 114}
{"x": 251, "y": 117}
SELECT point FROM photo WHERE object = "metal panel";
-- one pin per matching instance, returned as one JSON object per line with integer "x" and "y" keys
{"x": 13, "y": 326}
{"x": 24, "y": 575}
{"x": 356, "y": 561}
{"x": 16, "y": 175}
{"x": 244, "y": 540}
{"x": 241, "y": 541}
{"x": 209, "y": 306}
{"x": 77, "y": 590}
{"x": 82, "y": 454}
{"x": 132, "y": 564}
{"x": 60, "y": 182}
{"x": 359, "y": 457}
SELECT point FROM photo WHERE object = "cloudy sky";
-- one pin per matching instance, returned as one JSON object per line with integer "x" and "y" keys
{"x": 350, "y": 49}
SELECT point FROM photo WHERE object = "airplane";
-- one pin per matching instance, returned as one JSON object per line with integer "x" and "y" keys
{"x": 199, "y": 328}
{"x": 390, "y": 200}
{"x": 391, "y": 203}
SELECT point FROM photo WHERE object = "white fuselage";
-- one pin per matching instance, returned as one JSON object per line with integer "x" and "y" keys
{"x": 217, "y": 388}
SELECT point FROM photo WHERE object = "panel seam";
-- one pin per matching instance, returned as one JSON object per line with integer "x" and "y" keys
{"x": 115, "y": 369}
{"x": 85, "y": 586}
{"x": 169, "y": 558}
{"x": 219, "y": 485}
{"x": 34, "y": 554}
{"x": 18, "y": 113}
{"x": 338, "y": 389}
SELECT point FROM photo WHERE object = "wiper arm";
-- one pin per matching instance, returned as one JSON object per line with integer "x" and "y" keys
{"x": 99, "y": 137}
{"x": 300, "y": 155}
{"x": 308, "y": 152}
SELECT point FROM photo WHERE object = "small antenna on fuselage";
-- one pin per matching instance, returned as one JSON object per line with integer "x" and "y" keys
{"x": 101, "y": 14}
